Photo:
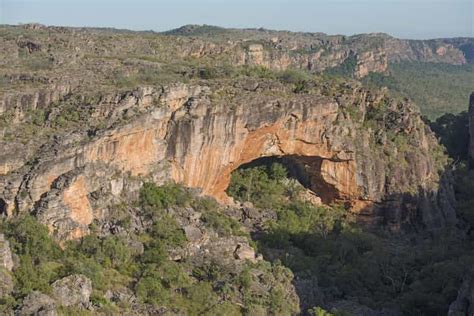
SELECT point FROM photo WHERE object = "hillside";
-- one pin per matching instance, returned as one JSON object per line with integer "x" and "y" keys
{"x": 210, "y": 171}
{"x": 436, "y": 88}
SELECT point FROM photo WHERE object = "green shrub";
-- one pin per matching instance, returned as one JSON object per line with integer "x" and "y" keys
{"x": 29, "y": 237}
{"x": 318, "y": 311}
{"x": 294, "y": 76}
{"x": 437, "y": 88}
{"x": 257, "y": 72}
{"x": 167, "y": 230}
{"x": 345, "y": 69}
{"x": 161, "y": 197}
{"x": 208, "y": 73}
{"x": 452, "y": 132}
{"x": 261, "y": 185}
{"x": 222, "y": 224}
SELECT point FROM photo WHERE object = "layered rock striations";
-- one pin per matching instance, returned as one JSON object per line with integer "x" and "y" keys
{"x": 87, "y": 114}
{"x": 356, "y": 146}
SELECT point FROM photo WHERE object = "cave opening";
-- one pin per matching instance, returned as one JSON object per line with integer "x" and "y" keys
{"x": 305, "y": 170}
{"x": 3, "y": 208}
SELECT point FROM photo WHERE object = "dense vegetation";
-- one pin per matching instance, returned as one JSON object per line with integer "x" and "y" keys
{"x": 416, "y": 274}
{"x": 346, "y": 69}
{"x": 453, "y": 133}
{"x": 436, "y": 88}
{"x": 115, "y": 261}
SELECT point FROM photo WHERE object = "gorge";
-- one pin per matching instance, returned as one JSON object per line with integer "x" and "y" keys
{"x": 126, "y": 156}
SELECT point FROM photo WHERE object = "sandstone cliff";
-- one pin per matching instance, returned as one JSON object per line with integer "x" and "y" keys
{"x": 91, "y": 118}
{"x": 75, "y": 143}
{"x": 358, "y": 147}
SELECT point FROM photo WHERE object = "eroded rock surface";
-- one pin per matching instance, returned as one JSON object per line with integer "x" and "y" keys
{"x": 364, "y": 149}
{"x": 37, "y": 303}
{"x": 6, "y": 259}
{"x": 6, "y": 283}
{"x": 74, "y": 290}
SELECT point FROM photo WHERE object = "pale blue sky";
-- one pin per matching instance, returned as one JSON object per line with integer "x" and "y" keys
{"x": 401, "y": 18}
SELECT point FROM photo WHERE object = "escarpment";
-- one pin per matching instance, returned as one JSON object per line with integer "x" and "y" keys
{"x": 355, "y": 146}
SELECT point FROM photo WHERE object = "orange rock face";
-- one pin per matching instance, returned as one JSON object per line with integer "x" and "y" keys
{"x": 75, "y": 198}
{"x": 191, "y": 139}
{"x": 206, "y": 160}
{"x": 134, "y": 150}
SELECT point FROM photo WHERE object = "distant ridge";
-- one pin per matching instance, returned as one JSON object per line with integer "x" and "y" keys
{"x": 196, "y": 30}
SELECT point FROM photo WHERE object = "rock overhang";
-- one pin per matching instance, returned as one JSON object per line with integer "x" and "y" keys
{"x": 189, "y": 137}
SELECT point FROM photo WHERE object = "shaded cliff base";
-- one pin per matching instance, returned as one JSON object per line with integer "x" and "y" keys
{"x": 340, "y": 264}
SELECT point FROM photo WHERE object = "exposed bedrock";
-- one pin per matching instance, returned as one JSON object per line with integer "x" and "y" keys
{"x": 385, "y": 171}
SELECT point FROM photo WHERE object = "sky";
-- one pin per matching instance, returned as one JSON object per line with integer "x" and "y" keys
{"x": 417, "y": 19}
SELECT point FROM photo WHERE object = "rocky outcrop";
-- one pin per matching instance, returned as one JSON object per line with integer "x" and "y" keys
{"x": 208, "y": 244}
{"x": 438, "y": 51}
{"x": 6, "y": 283}
{"x": 471, "y": 130}
{"x": 120, "y": 57}
{"x": 6, "y": 259}
{"x": 359, "y": 147}
{"x": 74, "y": 290}
{"x": 320, "y": 51}
{"x": 20, "y": 103}
{"x": 371, "y": 61}
{"x": 314, "y": 61}
{"x": 37, "y": 303}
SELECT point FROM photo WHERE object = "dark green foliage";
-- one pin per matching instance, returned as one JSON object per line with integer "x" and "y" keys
{"x": 222, "y": 224}
{"x": 146, "y": 75}
{"x": 346, "y": 69}
{"x": 110, "y": 252}
{"x": 257, "y": 72}
{"x": 452, "y": 131}
{"x": 112, "y": 262}
{"x": 421, "y": 275}
{"x": 167, "y": 230}
{"x": 262, "y": 185}
{"x": 318, "y": 311}
{"x": 435, "y": 87}
{"x": 32, "y": 239}
{"x": 294, "y": 76}
{"x": 37, "y": 252}
{"x": 163, "y": 197}
{"x": 197, "y": 30}
{"x": 208, "y": 73}
{"x": 464, "y": 188}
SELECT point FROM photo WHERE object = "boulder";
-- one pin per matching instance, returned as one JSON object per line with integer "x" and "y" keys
{"x": 121, "y": 296}
{"x": 244, "y": 252}
{"x": 193, "y": 234}
{"x": 73, "y": 290}
{"x": 38, "y": 304}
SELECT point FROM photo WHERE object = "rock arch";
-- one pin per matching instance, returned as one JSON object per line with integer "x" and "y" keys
{"x": 205, "y": 149}
{"x": 305, "y": 170}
